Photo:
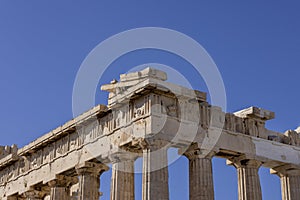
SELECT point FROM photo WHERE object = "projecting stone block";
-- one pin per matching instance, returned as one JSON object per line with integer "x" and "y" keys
{"x": 254, "y": 112}
{"x": 146, "y": 73}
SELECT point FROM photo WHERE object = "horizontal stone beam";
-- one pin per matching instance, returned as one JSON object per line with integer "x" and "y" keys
{"x": 270, "y": 153}
{"x": 142, "y": 107}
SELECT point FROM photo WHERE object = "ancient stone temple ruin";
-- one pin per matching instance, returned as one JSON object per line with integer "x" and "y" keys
{"x": 146, "y": 116}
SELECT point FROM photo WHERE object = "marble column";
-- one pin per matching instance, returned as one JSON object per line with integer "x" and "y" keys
{"x": 60, "y": 187}
{"x": 122, "y": 180}
{"x": 248, "y": 179}
{"x": 155, "y": 172}
{"x": 201, "y": 185}
{"x": 290, "y": 187}
{"x": 89, "y": 180}
{"x": 290, "y": 182}
{"x": 58, "y": 192}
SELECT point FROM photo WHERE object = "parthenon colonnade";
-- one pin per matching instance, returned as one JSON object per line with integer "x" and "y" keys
{"x": 145, "y": 116}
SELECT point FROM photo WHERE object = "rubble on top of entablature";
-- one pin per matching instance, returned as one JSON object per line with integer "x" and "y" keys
{"x": 131, "y": 79}
{"x": 255, "y": 112}
{"x": 6, "y": 150}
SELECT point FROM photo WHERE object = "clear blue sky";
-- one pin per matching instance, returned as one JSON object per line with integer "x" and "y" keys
{"x": 256, "y": 47}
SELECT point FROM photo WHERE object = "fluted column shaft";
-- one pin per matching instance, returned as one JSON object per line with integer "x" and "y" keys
{"x": 155, "y": 173}
{"x": 89, "y": 185}
{"x": 122, "y": 181}
{"x": 290, "y": 181}
{"x": 249, "y": 184}
{"x": 201, "y": 179}
{"x": 201, "y": 185}
{"x": 60, "y": 193}
{"x": 89, "y": 180}
{"x": 290, "y": 187}
{"x": 249, "y": 187}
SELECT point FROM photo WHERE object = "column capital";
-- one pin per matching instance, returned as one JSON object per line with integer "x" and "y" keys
{"x": 137, "y": 145}
{"x": 155, "y": 144}
{"x": 193, "y": 152}
{"x": 117, "y": 157}
{"x": 244, "y": 162}
{"x": 34, "y": 194}
{"x": 91, "y": 168}
{"x": 286, "y": 170}
{"x": 63, "y": 181}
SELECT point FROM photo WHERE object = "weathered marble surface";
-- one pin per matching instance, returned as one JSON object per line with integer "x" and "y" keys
{"x": 146, "y": 114}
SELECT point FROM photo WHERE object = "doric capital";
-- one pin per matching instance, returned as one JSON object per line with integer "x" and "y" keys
{"x": 286, "y": 170}
{"x": 137, "y": 145}
{"x": 122, "y": 156}
{"x": 34, "y": 194}
{"x": 193, "y": 152}
{"x": 63, "y": 181}
{"x": 149, "y": 143}
{"x": 134, "y": 145}
{"x": 156, "y": 144}
{"x": 91, "y": 168}
{"x": 244, "y": 162}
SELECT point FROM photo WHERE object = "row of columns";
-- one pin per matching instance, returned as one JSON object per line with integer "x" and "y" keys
{"x": 155, "y": 178}
{"x": 155, "y": 175}
{"x": 201, "y": 187}
{"x": 88, "y": 180}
